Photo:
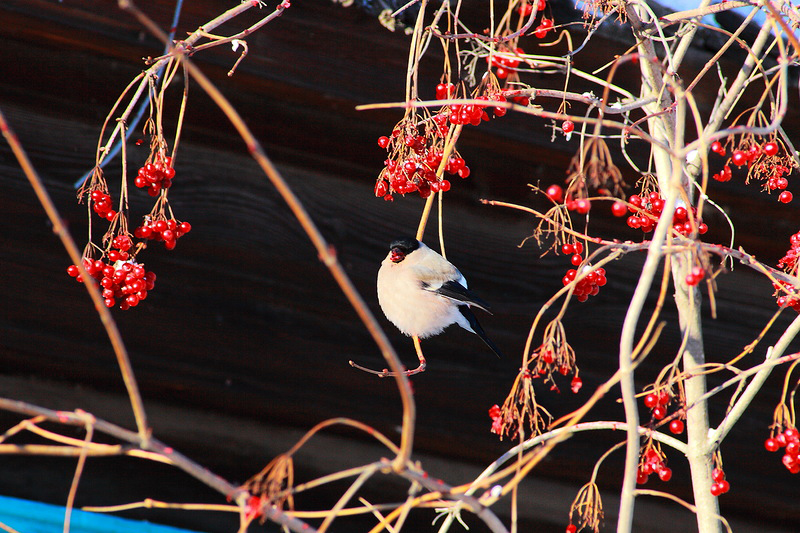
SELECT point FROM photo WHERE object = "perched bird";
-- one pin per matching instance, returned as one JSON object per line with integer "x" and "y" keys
{"x": 421, "y": 293}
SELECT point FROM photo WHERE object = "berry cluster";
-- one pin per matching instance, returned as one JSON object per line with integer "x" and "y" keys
{"x": 156, "y": 175}
{"x": 545, "y": 25}
{"x": 505, "y": 62}
{"x": 123, "y": 280}
{"x": 417, "y": 170}
{"x": 474, "y": 114}
{"x": 647, "y": 208}
{"x": 101, "y": 204}
{"x": 167, "y": 231}
{"x": 497, "y": 419}
{"x": 652, "y": 462}
{"x": 787, "y": 292}
{"x": 763, "y": 162}
{"x": 526, "y": 8}
{"x": 695, "y": 276}
{"x": 658, "y": 403}
{"x": 415, "y": 158}
{"x": 720, "y": 484}
{"x": 789, "y": 440}
{"x": 580, "y": 205}
{"x": 788, "y": 295}
{"x": 591, "y": 282}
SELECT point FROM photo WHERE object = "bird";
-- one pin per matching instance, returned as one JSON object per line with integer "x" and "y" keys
{"x": 422, "y": 293}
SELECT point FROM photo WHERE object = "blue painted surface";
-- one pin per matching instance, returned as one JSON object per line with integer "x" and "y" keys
{"x": 27, "y": 516}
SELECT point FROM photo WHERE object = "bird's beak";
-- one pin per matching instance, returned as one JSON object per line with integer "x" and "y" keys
{"x": 397, "y": 255}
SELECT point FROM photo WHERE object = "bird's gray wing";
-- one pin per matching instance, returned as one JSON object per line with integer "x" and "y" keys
{"x": 456, "y": 291}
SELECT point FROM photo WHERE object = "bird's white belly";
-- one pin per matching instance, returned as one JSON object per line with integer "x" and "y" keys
{"x": 415, "y": 311}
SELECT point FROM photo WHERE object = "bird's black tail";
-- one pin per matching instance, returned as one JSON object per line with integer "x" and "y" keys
{"x": 477, "y": 329}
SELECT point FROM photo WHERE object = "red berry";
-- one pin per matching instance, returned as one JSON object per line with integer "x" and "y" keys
{"x": 73, "y": 271}
{"x": 676, "y": 426}
{"x": 739, "y": 158}
{"x": 572, "y": 528}
{"x": 619, "y": 209}
{"x": 576, "y": 259}
{"x": 771, "y": 148}
{"x": 771, "y": 445}
{"x": 716, "y": 147}
{"x": 568, "y": 126}
{"x": 383, "y": 141}
{"x": 659, "y": 412}
{"x": 650, "y": 401}
{"x": 555, "y": 193}
{"x": 576, "y": 384}
{"x": 583, "y": 206}
{"x": 785, "y": 197}
{"x": 664, "y": 473}
{"x": 716, "y": 490}
{"x": 717, "y": 475}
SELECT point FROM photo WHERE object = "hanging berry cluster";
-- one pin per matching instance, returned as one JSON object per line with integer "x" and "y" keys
{"x": 768, "y": 162}
{"x": 658, "y": 403}
{"x": 119, "y": 276}
{"x": 786, "y": 293}
{"x": 647, "y": 208}
{"x": 102, "y": 205}
{"x": 156, "y": 174}
{"x": 720, "y": 485}
{"x": 789, "y": 440}
{"x": 167, "y": 231}
{"x": 652, "y": 461}
{"x": 416, "y": 146}
{"x": 122, "y": 279}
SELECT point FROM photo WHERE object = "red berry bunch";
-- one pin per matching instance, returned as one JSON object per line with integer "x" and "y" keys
{"x": 417, "y": 172}
{"x": 505, "y": 61}
{"x": 647, "y": 208}
{"x": 580, "y": 205}
{"x": 764, "y": 162}
{"x": 474, "y": 114}
{"x": 101, "y": 204}
{"x": 167, "y": 231}
{"x": 497, "y": 419}
{"x": 695, "y": 276}
{"x": 545, "y": 26}
{"x": 652, "y": 462}
{"x": 591, "y": 283}
{"x": 658, "y": 402}
{"x": 789, "y": 440}
{"x": 527, "y": 7}
{"x": 720, "y": 485}
{"x": 123, "y": 280}
{"x": 789, "y": 261}
{"x": 156, "y": 175}
{"x": 786, "y": 293}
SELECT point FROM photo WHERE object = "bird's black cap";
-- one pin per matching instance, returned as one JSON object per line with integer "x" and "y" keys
{"x": 405, "y": 244}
